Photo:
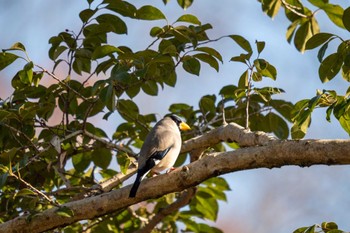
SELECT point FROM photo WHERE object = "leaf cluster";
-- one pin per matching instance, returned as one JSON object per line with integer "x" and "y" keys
{"x": 51, "y": 152}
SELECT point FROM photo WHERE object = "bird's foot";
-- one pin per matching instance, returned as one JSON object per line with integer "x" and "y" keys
{"x": 153, "y": 174}
{"x": 171, "y": 169}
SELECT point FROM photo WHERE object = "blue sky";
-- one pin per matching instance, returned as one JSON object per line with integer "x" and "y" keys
{"x": 278, "y": 200}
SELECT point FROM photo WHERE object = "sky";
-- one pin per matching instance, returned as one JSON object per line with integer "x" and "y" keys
{"x": 263, "y": 200}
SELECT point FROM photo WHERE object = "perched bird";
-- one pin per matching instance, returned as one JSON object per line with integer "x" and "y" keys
{"x": 160, "y": 148}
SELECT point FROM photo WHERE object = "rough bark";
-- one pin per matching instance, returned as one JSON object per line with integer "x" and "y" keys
{"x": 270, "y": 153}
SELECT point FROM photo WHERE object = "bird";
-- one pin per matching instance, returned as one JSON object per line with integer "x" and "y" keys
{"x": 160, "y": 148}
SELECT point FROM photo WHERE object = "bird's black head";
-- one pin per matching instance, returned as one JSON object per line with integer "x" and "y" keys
{"x": 182, "y": 125}
{"x": 176, "y": 119}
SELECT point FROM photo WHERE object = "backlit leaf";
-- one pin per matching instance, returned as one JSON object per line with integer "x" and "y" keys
{"x": 260, "y": 45}
{"x": 302, "y": 35}
{"x": 6, "y": 59}
{"x": 211, "y": 52}
{"x": 334, "y": 13}
{"x": 208, "y": 59}
{"x": 17, "y": 46}
{"x": 189, "y": 19}
{"x": 317, "y": 39}
{"x": 330, "y": 67}
{"x": 64, "y": 212}
{"x": 185, "y": 3}
{"x": 346, "y": 18}
{"x": 114, "y": 23}
{"x": 149, "y": 13}
{"x": 86, "y": 14}
{"x": 101, "y": 157}
{"x": 242, "y": 42}
{"x": 191, "y": 65}
{"x": 103, "y": 51}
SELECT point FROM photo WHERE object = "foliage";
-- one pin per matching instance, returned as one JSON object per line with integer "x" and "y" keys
{"x": 304, "y": 29}
{"x": 45, "y": 164}
{"x": 326, "y": 227}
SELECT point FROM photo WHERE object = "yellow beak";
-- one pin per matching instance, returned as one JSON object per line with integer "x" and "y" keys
{"x": 184, "y": 126}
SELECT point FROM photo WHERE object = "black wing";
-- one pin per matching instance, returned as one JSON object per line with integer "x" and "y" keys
{"x": 143, "y": 171}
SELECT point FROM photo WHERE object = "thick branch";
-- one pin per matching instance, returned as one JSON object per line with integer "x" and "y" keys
{"x": 274, "y": 154}
{"x": 231, "y": 132}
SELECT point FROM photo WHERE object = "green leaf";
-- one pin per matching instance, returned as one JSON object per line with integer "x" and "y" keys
{"x": 101, "y": 157}
{"x": 228, "y": 91}
{"x": 115, "y": 23}
{"x": 345, "y": 123}
{"x": 81, "y": 161}
{"x": 123, "y": 161}
{"x": 81, "y": 64}
{"x": 25, "y": 192}
{"x": 191, "y": 65}
{"x": 243, "y": 80}
{"x": 278, "y": 126}
{"x": 6, "y": 59}
{"x": 291, "y": 30}
{"x": 64, "y": 211}
{"x": 3, "y": 114}
{"x": 149, "y": 13}
{"x": 17, "y": 46}
{"x": 58, "y": 51}
{"x": 271, "y": 7}
{"x": 103, "y": 51}
{"x": 322, "y": 52}
{"x": 122, "y": 7}
{"x": 257, "y": 77}
{"x": 107, "y": 95}
{"x": 86, "y": 14}
{"x": 318, "y": 39}
{"x": 207, "y": 104}
{"x": 211, "y": 52}
{"x": 241, "y": 58}
{"x": 185, "y": 3}
{"x": 206, "y": 205}
{"x": 128, "y": 109}
{"x": 242, "y": 42}
{"x": 334, "y": 13}
{"x": 346, "y": 18}
{"x": 265, "y": 69}
{"x": 150, "y": 87}
{"x": 330, "y": 67}
{"x": 346, "y": 72}
{"x": 210, "y": 60}
{"x": 300, "y": 126}
{"x": 188, "y": 18}
{"x": 301, "y": 230}
{"x": 8, "y": 156}
{"x": 3, "y": 177}
{"x": 326, "y": 226}
{"x": 282, "y": 107}
{"x": 302, "y": 35}
{"x": 260, "y": 45}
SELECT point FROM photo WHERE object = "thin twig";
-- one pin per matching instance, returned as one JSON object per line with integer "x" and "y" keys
{"x": 109, "y": 144}
{"x": 249, "y": 88}
{"x": 223, "y": 110}
{"x": 34, "y": 189}
{"x": 21, "y": 133}
{"x": 293, "y": 9}
{"x": 61, "y": 82}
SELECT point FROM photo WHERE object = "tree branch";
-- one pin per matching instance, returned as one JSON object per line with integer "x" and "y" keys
{"x": 231, "y": 132}
{"x": 274, "y": 154}
{"x": 182, "y": 201}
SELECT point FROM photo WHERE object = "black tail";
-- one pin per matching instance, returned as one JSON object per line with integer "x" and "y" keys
{"x": 135, "y": 185}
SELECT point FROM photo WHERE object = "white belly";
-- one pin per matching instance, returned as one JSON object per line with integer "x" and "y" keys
{"x": 168, "y": 161}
